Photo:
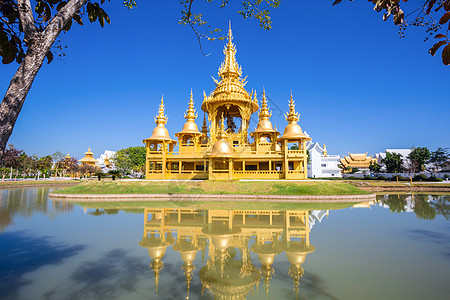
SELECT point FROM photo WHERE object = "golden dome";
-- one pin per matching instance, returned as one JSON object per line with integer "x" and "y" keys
{"x": 230, "y": 89}
{"x": 190, "y": 127}
{"x": 293, "y": 131}
{"x": 296, "y": 252}
{"x": 222, "y": 148}
{"x": 160, "y": 133}
{"x": 264, "y": 124}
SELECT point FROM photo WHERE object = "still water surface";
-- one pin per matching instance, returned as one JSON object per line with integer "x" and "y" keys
{"x": 396, "y": 248}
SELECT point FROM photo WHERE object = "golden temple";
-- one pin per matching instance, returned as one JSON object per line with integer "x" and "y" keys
{"x": 219, "y": 235}
{"x": 227, "y": 153}
{"x": 357, "y": 160}
{"x": 88, "y": 158}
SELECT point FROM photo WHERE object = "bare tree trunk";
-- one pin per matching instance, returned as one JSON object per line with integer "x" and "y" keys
{"x": 39, "y": 45}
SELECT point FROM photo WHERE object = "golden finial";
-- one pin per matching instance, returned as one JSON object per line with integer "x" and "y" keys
{"x": 222, "y": 134}
{"x": 157, "y": 265}
{"x": 161, "y": 118}
{"x": 292, "y": 116}
{"x": 190, "y": 114}
{"x": 205, "y": 125}
{"x": 325, "y": 152}
{"x": 67, "y": 156}
{"x": 264, "y": 113}
{"x": 230, "y": 68}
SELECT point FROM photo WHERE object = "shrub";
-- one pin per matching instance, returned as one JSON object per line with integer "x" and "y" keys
{"x": 400, "y": 178}
{"x": 435, "y": 179}
{"x": 420, "y": 177}
{"x": 446, "y": 176}
{"x": 369, "y": 178}
{"x": 382, "y": 177}
{"x": 352, "y": 178}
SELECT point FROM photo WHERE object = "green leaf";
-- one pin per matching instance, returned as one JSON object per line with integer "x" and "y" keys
{"x": 68, "y": 25}
{"x": 446, "y": 55}
{"x": 101, "y": 20}
{"x": 49, "y": 56}
{"x": 78, "y": 19}
{"x": 48, "y": 13}
{"x": 61, "y": 5}
{"x": 444, "y": 19}
{"x": 39, "y": 7}
{"x": 436, "y": 46}
{"x": 9, "y": 56}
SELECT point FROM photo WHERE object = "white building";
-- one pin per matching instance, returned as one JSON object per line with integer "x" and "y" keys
{"x": 107, "y": 155}
{"x": 320, "y": 163}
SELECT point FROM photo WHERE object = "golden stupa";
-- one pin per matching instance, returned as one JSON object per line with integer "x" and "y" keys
{"x": 88, "y": 158}
{"x": 230, "y": 152}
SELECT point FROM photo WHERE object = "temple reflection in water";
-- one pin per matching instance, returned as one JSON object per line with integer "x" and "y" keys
{"x": 219, "y": 235}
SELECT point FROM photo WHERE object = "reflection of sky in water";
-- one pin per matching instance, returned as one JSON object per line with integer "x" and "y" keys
{"x": 360, "y": 253}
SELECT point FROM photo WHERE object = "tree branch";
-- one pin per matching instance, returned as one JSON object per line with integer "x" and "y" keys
{"x": 60, "y": 20}
{"x": 26, "y": 18}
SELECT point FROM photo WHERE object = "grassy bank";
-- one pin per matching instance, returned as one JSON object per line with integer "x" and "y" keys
{"x": 216, "y": 187}
{"x": 37, "y": 183}
{"x": 138, "y": 206}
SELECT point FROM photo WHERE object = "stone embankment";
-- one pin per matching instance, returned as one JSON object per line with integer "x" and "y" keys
{"x": 214, "y": 197}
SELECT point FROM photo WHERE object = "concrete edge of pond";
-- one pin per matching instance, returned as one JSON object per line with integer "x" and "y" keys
{"x": 213, "y": 197}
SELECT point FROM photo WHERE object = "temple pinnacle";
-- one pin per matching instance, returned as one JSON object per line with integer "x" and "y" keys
{"x": 190, "y": 114}
{"x": 161, "y": 118}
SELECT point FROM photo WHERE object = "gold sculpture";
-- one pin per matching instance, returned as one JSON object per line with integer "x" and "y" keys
{"x": 226, "y": 152}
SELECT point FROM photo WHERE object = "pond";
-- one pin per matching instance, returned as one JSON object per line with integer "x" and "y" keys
{"x": 395, "y": 248}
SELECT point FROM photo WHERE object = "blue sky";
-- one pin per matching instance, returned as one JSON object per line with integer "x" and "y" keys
{"x": 357, "y": 85}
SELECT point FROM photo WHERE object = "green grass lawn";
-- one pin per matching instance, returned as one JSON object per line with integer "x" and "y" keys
{"x": 138, "y": 206}
{"x": 20, "y": 182}
{"x": 216, "y": 187}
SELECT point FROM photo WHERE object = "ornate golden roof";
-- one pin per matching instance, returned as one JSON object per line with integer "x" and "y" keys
{"x": 88, "y": 157}
{"x": 67, "y": 156}
{"x": 222, "y": 148}
{"x": 264, "y": 124}
{"x": 357, "y": 160}
{"x": 230, "y": 88}
{"x": 160, "y": 133}
{"x": 325, "y": 152}
{"x": 190, "y": 127}
{"x": 106, "y": 162}
{"x": 293, "y": 131}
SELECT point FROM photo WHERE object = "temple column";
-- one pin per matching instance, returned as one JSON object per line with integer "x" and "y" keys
{"x": 286, "y": 164}
{"x": 204, "y": 166}
{"x": 164, "y": 148}
{"x": 243, "y": 166}
{"x": 230, "y": 169}
{"x": 147, "y": 162}
{"x": 210, "y": 173}
{"x": 179, "y": 166}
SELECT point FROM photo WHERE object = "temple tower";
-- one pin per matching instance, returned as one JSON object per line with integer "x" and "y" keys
{"x": 230, "y": 99}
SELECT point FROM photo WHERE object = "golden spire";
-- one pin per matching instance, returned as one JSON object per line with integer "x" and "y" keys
{"x": 230, "y": 67}
{"x": 205, "y": 125}
{"x": 157, "y": 265}
{"x": 222, "y": 134}
{"x": 264, "y": 113}
{"x": 161, "y": 118}
{"x": 68, "y": 156}
{"x": 325, "y": 152}
{"x": 190, "y": 114}
{"x": 292, "y": 116}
